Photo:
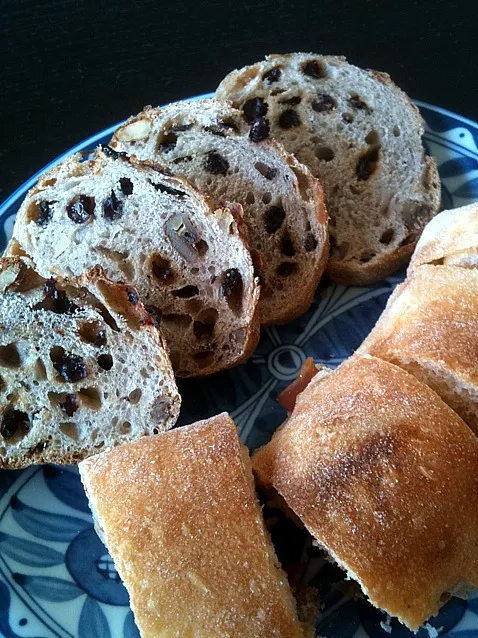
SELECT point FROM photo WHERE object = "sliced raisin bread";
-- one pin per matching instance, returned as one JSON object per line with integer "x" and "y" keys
{"x": 82, "y": 367}
{"x": 157, "y": 233}
{"x": 361, "y": 136}
{"x": 209, "y": 143}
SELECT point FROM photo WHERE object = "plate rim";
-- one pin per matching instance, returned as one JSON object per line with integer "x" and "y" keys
{"x": 25, "y": 186}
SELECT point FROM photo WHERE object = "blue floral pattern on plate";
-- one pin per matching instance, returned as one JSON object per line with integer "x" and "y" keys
{"x": 56, "y": 577}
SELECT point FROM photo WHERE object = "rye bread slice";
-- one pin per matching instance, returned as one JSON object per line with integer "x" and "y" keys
{"x": 151, "y": 230}
{"x": 209, "y": 143}
{"x": 361, "y": 136}
{"x": 82, "y": 367}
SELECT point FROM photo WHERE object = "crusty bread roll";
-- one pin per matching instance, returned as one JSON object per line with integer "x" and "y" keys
{"x": 385, "y": 476}
{"x": 430, "y": 328}
{"x": 180, "y": 517}
{"x": 451, "y": 238}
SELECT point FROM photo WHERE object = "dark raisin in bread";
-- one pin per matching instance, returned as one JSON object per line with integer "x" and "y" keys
{"x": 82, "y": 367}
{"x": 361, "y": 136}
{"x": 209, "y": 143}
{"x": 188, "y": 262}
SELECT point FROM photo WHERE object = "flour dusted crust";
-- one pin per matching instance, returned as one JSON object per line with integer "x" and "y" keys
{"x": 82, "y": 367}
{"x": 208, "y": 143}
{"x": 385, "y": 476}
{"x": 450, "y": 238}
{"x": 361, "y": 136}
{"x": 188, "y": 262}
{"x": 181, "y": 520}
{"x": 430, "y": 328}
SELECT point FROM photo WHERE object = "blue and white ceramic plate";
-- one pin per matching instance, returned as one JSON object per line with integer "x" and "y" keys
{"x": 56, "y": 577}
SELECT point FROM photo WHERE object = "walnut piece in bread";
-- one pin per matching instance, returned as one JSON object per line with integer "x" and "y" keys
{"x": 82, "y": 367}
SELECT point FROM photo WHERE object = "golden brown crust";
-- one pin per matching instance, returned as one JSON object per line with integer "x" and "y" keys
{"x": 385, "y": 476}
{"x": 186, "y": 533}
{"x": 449, "y": 238}
{"x": 432, "y": 320}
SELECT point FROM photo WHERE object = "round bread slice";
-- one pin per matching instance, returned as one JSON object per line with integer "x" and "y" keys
{"x": 430, "y": 328}
{"x": 451, "y": 238}
{"x": 189, "y": 263}
{"x": 361, "y": 136}
{"x": 385, "y": 476}
{"x": 82, "y": 367}
{"x": 209, "y": 143}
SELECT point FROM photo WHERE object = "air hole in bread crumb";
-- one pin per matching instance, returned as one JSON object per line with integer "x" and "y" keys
{"x": 204, "y": 358}
{"x": 387, "y": 236}
{"x": 286, "y": 269}
{"x": 3, "y": 385}
{"x": 348, "y": 118}
{"x": 57, "y": 354}
{"x": 105, "y": 361}
{"x": 10, "y": 356}
{"x": 90, "y": 398}
{"x": 92, "y": 332}
{"x": 324, "y": 153}
{"x": 125, "y": 427}
{"x": 366, "y": 256}
{"x": 193, "y": 306}
{"x": 194, "y": 271}
{"x": 203, "y": 326}
{"x": 70, "y": 430}
{"x": 135, "y": 396}
{"x": 367, "y": 163}
{"x": 287, "y": 247}
{"x": 396, "y": 131}
{"x": 176, "y": 321}
{"x": 39, "y": 370}
{"x": 250, "y": 198}
{"x": 186, "y": 292}
{"x": 372, "y": 137}
{"x": 202, "y": 247}
{"x": 267, "y": 198}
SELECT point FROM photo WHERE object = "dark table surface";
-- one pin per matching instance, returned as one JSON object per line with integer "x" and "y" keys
{"x": 70, "y": 68}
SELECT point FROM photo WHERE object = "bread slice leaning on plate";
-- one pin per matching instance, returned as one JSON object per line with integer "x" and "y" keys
{"x": 82, "y": 367}
{"x": 180, "y": 517}
{"x": 430, "y": 328}
{"x": 361, "y": 136}
{"x": 208, "y": 143}
{"x": 384, "y": 475}
{"x": 189, "y": 263}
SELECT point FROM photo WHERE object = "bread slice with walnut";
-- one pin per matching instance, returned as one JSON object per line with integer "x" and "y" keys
{"x": 361, "y": 136}
{"x": 82, "y": 367}
{"x": 209, "y": 143}
{"x": 151, "y": 230}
